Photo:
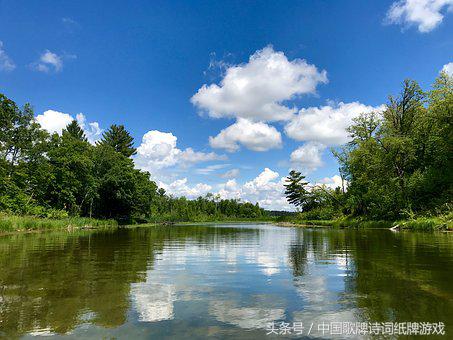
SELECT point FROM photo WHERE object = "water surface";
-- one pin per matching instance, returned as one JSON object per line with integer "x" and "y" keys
{"x": 219, "y": 281}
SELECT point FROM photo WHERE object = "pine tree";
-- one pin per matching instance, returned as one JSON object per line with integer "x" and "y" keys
{"x": 295, "y": 188}
{"x": 75, "y": 131}
{"x": 120, "y": 139}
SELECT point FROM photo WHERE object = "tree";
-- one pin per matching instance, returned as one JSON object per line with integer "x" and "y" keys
{"x": 75, "y": 131}
{"x": 20, "y": 137}
{"x": 119, "y": 139}
{"x": 295, "y": 189}
{"x": 18, "y": 131}
{"x": 400, "y": 161}
{"x": 72, "y": 183}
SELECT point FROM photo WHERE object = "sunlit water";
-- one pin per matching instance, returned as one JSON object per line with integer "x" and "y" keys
{"x": 220, "y": 281}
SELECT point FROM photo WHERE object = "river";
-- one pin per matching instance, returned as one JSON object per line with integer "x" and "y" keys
{"x": 241, "y": 281}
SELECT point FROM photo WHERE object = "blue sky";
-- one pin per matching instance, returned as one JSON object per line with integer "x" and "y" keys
{"x": 142, "y": 63}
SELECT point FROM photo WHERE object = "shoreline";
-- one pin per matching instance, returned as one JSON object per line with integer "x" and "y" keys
{"x": 13, "y": 224}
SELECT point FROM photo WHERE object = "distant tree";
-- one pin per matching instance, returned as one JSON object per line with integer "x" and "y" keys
{"x": 295, "y": 192}
{"x": 75, "y": 131}
{"x": 119, "y": 139}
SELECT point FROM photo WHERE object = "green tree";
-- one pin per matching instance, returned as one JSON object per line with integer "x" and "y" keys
{"x": 295, "y": 189}
{"x": 119, "y": 139}
{"x": 399, "y": 160}
{"x": 75, "y": 131}
{"x": 72, "y": 182}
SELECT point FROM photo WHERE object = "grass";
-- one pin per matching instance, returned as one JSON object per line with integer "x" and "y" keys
{"x": 443, "y": 222}
{"x": 13, "y": 223}
{"x": 428, "y": 223}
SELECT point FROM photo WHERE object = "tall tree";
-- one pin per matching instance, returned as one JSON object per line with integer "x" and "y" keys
{"x": 295, "y": 191}
{"x": 119, "y": 139}
{"x": 75, "y": 131}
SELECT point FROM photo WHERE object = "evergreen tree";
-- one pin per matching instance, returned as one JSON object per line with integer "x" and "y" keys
{"x": 119, "y": 139}
{"x": 75, "y": 131}
{"x": 295, "y": 189}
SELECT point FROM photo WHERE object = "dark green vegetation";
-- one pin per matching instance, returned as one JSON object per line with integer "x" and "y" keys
{"x": 398, "y": 165}
{"x": 61, "y": 177}
{"x": 119, "y": 283}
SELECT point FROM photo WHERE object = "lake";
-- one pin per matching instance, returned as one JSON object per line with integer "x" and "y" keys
{"x": 241, "y": 281}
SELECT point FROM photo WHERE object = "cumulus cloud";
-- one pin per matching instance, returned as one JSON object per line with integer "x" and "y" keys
{"x": 256, "y": 90}
{"x": 308, "y": 157}
{"x": 267, "y": 189}
{"x": 47, "y": 62}
{"x": 6, "y": 63}
{"x": 254, "y": 136}
{"x": 331, "y": 182}
{"x": 55, "y": 121}
{"x": 448, "y": 68}
{"x": 92, "y": 130}
{"x": 159, "y": 150}
{"x": 426, "y": 14}
{"x": 181, "y": 188}
{"x": 326, "y": 124}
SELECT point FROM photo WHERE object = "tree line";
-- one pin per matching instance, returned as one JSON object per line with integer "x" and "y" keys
{"x": 52, "y": 175}
{"x": 398, "y": 163}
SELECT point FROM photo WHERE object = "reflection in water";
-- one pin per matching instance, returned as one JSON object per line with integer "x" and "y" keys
{"x": 224, "y": 281}
{"x": 153, "y": 302}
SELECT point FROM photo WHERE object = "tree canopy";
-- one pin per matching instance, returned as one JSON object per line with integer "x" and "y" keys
{"x": 399, "y": 161}
{"x": 119, "y": 139}
{"x": 59, "y": 175}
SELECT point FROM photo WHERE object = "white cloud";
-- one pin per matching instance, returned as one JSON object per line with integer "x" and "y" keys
{"x": 55, "y": 121}
{"x": 6, "y": 63}
{"x": 181, "y": 188}
{"x": 448, "y": 68}
{"x": 331, "y": 182}
{"x": 263, "y": 179}
{"x": 256, "y": 90}
{"x": 427, "y": 14}
{"x": 210, "y": 169}
{"x": 158, "y": 150}
{"x": 189, "y": 156}
{"x": 92, "y": 130}
{"x": 326, "y": 124}
{"x": 308, "y": 157}
{"x": 48, "y": 61}
{"x": 230, "y": 173}
{"x": 254, "y": 136}
{"x": 267, "y": 189}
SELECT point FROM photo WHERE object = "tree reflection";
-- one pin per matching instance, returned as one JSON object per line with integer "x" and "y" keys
{"x": 56, "y": 281}
{"x": 389, "y": 276}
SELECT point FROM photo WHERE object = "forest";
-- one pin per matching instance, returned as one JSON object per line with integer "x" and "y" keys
{"x": 398, "y": 165}
{"x": 58, "y": 176}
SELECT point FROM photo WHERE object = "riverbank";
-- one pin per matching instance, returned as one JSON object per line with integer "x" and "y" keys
{"x": 17, "y": 224}
{"x": 438, "y": 223}
{"x": 14, "y": 223}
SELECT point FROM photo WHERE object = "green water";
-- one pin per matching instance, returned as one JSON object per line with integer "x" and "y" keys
{"x": 220, "y": 281}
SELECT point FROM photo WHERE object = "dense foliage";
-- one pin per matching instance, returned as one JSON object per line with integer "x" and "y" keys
{"x": 398, "y": 163}
{"x": 59, "y": 176}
